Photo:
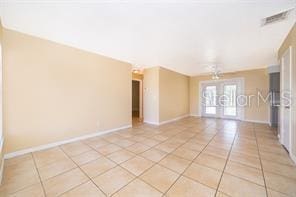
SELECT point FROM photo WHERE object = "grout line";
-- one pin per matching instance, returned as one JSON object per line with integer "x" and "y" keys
{"x": 84, "y": 174}
{"x": 161, "y": 130}
{"x": 41, "y": 183}
{"x": 227, "y": 159}
{"x": 155, "y": 163}
{"x": 181, "y": 174}
{"x": 260, "y": 162}
{"x": 116, "y": 163}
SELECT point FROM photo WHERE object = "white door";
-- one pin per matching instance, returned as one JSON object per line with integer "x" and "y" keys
{"x": 209, "y": 100}
{"x": 285, "y": 135}
{"x": 219, "y": 99}
{"x": 229, "y": 103}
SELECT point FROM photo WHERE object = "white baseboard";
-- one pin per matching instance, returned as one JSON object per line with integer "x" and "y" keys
{"x": 150, "y": 122}
{"x": 167, "y": 121}
{"x": 195, "y": 115}
{"x": 256, "y": 121}
{"x": 174, "y": 119}
{"x": 51, "y": 145}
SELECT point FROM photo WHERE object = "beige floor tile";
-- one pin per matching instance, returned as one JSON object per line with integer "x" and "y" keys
{"x": 97, "y": 167}
{"x": 138, "y": 148}
{"x": 216, "y": 152}
{"x": 245, "y": 151}
{"x": 237, "y": 187}
{"x": 137, "y": 165}
{"x": 193, "y": 146}
{"x": 220, "y": 194}
{"x": 108, "y": 149}
{"x": 177, "y": 145}
{"x": 281, "y": 169}
{"x": 19, "y": 168}
{"x": 56, "y": 168}
{"x": 113, "y": 137}
{"x": 113, "y": 180}
{"x": 187, "y": 188}
{"x": 154, "y": 154}
{"x": 138, "y": 138}
{"x": 18, "y": 160}
{"x": 75, "y": 148}
{"x": 205, "y": 175}
{"x": 160, "y": 137}
{"x": 64, "y": 182}
{"x": 150, "y": 142}
{"x": 138, "y": 188}
{"x": 224, "y": 146}
{"x": 19, "y": 181}
{"x": 48, "y": 156}
{"x": 121, "y": 156}
{"x": 86, "y": 157}
{"x": 186, "y": 153}
{"x": 160, "y": 177}
{"x": 249, "y": 173}
{"x": 210, "y": 161}
{"x": 85, "y": 189}
{"x": 272, "y": 149}
{"x": 175, "y": 163}
{"x": 281, "y": 184}
{"x": 31, "y": 191}
{"x": 125, "y": 143}
{"x": 167, "y": 147}
{"x": 272, "y": 193}
{"x": 246, "y": 160}
{"x": 96, "y": 142}
{"x": 282, "y": 159}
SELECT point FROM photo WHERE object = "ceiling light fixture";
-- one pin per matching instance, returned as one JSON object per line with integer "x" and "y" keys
{"x": 136, "y": 71}
{"x": 216, "y": 74}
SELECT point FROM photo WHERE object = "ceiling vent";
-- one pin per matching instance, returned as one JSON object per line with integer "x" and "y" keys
{"x": 275, "y": 18}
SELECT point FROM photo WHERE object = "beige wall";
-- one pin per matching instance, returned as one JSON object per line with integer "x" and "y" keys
{"x": 255, "y": 80}
{"x": 1, "y": 117}
{"x": 151, "y": 95}
{"x": 173, "y": 95}
{"x": 291, "y": 41}
{"x": 53, "y": 92}
{"x": 166, "y": 95}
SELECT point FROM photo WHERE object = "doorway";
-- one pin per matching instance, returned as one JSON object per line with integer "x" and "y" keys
{"x": 219, "y": 99}
{"x": 286, "y": 113}
{"x": 137, "y": 110}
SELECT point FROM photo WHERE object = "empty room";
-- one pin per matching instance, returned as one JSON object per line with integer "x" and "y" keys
{"x": 168, "y": 98}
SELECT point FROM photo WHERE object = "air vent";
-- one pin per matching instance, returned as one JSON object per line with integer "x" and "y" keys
{"x": 275, "y": 18}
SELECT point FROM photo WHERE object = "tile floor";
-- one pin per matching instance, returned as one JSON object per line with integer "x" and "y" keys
{"x": 192, "y": 157}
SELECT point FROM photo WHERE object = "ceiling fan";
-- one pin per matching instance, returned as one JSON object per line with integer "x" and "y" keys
{"x": 216, "y": 73}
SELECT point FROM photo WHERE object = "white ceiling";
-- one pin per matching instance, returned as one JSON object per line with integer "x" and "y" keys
{"x": 185, "y": 36}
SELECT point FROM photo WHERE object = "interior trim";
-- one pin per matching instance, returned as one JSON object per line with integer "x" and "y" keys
{"x": 51, "y": 145}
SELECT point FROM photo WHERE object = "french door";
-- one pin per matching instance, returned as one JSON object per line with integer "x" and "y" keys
{"x": 219, "y": 99}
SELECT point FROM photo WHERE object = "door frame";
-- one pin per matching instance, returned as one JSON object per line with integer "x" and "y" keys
{"x": 290, "y": 52}
{"x": 141, "y": 97}
{"x": 240, "y": 91}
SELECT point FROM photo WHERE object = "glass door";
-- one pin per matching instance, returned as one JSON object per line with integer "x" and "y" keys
{"x": 209, "y": 101}
{"x": 219, "y": 99}
{"x": 229, "y": 103}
